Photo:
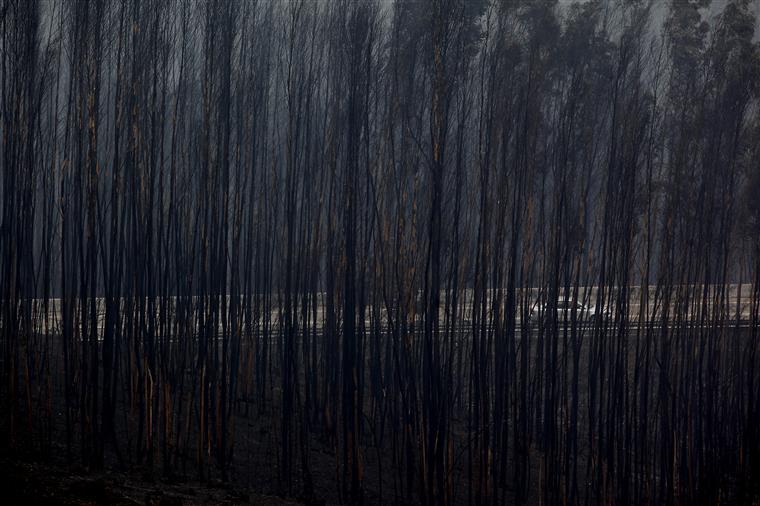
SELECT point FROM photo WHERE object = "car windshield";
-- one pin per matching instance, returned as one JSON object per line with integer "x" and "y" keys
{"x": 567, "y": 304}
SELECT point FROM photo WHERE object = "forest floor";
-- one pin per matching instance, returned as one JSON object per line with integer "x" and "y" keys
{"x": 26, "y": 482}
{"x": 254, "y": 467}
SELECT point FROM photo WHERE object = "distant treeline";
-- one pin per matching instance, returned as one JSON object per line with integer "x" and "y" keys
{"x": 323, "y": 214}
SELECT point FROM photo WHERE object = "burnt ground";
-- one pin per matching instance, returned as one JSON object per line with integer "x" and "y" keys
{"x": 254, "y": 469}
{"x": 27, "y": 482}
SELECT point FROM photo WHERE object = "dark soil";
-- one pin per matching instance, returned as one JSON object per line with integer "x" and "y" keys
{"x": 43, "y": 484}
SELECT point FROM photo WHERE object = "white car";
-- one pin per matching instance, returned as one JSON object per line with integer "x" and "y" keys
{"x": 564, "y": 310}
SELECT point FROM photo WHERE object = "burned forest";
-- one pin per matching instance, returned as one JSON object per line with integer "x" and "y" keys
{"x": 439, "y": 252}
